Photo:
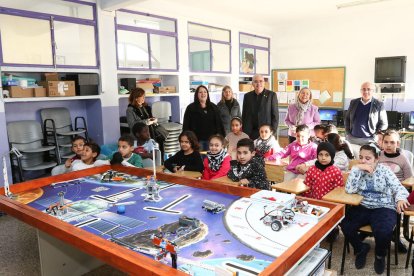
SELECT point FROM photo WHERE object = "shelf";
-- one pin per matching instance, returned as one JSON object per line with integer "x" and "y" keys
{"x": 41, "y": 99}
{"x": 8, "y": 69}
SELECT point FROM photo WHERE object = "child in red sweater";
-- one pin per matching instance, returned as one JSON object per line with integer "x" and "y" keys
{"x": 217, "y": 162}
{"x": 323, "y": 177}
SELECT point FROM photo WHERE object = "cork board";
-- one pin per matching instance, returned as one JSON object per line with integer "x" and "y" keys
{"x": 327, "y": 85}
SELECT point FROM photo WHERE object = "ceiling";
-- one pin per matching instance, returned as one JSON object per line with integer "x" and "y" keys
{"x": 269, "y": 11}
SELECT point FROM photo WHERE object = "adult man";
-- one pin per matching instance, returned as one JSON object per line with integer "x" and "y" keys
{"x": 260, "y": 107}
{"x": 365, "y": 116}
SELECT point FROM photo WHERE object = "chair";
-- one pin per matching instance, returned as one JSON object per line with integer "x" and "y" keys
{"x": 162, "y": 111}
{"x": 58, "y": 130}
{"x": 27, "y": 137}
{"x": 409, "y": 155}
{"x": 368, "y": 230}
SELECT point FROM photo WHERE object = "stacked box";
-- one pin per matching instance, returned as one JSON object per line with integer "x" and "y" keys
{"x": 61, "y": 88}
{"x": 86, "y": 84}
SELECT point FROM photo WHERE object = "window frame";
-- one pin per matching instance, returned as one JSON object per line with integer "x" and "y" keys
{"x": 148, "y": 32}
{"x": 60, "y": 18}
{"x": 211, "y": 41}
{"x": 254, "y": 47}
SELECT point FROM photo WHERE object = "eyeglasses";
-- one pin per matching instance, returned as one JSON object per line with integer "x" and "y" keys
{"x": 367, "y": 89}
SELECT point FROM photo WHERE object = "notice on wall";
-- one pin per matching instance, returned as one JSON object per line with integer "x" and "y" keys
{"x": 324, "y": 96}
{"x": 291, "y": 98}
{"x": 281, "y": 86}
{"x": 282, "y": 97}
{"x": 282, "y": 76}
{"x": 337, "y": 97}
{"x": 316, "y": 94}
{"x": 289, "y": 86}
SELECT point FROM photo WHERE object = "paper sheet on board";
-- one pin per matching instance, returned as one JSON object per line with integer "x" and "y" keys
{"x": 316, "y": 94}
{"x": 282, "y": 76}
{"x": 283, "y": 97}
{"x": 281, "y": 86}
{"x": 324, "y": 96}
{"x": 291, "y": 98}
{"x": 337, "y": 97}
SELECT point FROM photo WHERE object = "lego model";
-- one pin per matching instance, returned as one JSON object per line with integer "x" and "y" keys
{"x": 302, "y": 206}
{"x": 59, "y": 208}
{"x": 213, "y": 207}
{"x": 165, "y": 247}
{"x": 278, "y": 217}
{"x": 111, "y": 176}
{"x": 152, "y": 190}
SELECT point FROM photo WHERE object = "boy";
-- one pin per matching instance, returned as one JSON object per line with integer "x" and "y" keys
{"x": 145, "y": 145}
{"x": 77, "y": 147}
{"x": 125, "y": 154}
{"x": 319, "y": 131}
{"x": 88, "y": 157}
{"x": 249, "y": 169}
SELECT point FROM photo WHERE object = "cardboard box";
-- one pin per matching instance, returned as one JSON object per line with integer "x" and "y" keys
{"x": 19, "y": 92}
{"x": 61, "y": 88}
{"x": 50, "y": 77}
{"x": 245, "y": 87}
{"x": 147, "y": 86}
{"x": 166, "y": 89}
{"x": 39, "y": 92}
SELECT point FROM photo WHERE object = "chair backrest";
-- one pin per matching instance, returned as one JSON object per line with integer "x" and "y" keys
{"x": 25, "y": 134}
{"x": 59, "y": 115}
{"x": 161, "y": 110}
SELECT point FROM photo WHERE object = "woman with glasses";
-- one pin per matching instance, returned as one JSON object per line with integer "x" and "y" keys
{"x": 366, "y": 115}
{"x": 302, "y": 112}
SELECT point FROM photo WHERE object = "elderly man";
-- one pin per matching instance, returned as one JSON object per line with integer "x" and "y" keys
{"x": 260, "y": 107}
{"x": 365, "y": 116}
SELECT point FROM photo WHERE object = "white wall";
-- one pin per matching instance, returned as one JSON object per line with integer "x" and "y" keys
{"x": 349, "y": 38}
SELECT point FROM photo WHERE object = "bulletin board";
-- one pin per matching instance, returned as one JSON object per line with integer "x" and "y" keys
{"x": 327, "y": 85}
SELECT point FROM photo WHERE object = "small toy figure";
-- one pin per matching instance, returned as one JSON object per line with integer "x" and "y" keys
{"x": 152, "y": 190}
{"x": 165, "y": 247}
{"x": 213, "y": 207}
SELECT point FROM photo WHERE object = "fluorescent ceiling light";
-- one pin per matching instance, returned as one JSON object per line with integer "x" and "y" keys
{"x": 358, "y": 3}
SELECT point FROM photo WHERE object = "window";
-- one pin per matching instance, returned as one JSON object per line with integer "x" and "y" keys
{"x": 146, "y": 42}
{"x": 254, "y": 54}
{"x": 209, "y": 49}
{"x": 66, "y": 38}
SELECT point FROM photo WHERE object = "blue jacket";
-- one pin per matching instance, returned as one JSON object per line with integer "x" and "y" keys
{"x": 377, "y": 116}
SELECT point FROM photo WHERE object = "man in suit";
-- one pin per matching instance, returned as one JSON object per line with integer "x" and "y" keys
{"x": 260, "y": 107}
{"x": 365, "y": 116}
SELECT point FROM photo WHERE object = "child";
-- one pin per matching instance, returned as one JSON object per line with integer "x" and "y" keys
{"x": 88, "y": 160}
{"x": 319, "y": 131}
{"x": 343, "y": 152}
{"x": 188, "y": 158}
{"x": 217, "y": 162}
{"x": 379, "y": 136}
{"x": 302, "y": 154}
{"x": 77, "y": 147}
{"x": 323, "y": 177}
{"x": 248, "y": 170}
{"x": 145, "y": 145}
{"x": 266, "y": 145}
{"x": 383, "y": 196}
{"x": 125, "y": 154}
{"x": 393, "y": 157}
{"x": 234, "y": 136}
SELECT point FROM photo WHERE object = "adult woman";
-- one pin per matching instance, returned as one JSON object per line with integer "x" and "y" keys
{"x": 303, "y": 112}
{"x": 229, "y": 107}
{"x": 203, "y": 117}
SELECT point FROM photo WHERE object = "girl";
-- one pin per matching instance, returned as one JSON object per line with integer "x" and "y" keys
{"x": 266, "y": 144}
{"x": 188, "y": 158}
{"x": 384, "y": 196}
{"x": 343, "y": 153}
{"x": 302, "y": 154}
{"x": 323, "y": 177}
{"x": 234, "y": 136}
{"x": 217, "y": 162}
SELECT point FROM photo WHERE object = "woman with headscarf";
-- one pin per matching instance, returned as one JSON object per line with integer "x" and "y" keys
{"x": 303, "y": 112}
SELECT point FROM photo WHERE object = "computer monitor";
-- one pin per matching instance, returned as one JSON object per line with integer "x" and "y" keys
{"x": 412, "y": 118}
{"x": 327, "y": 114}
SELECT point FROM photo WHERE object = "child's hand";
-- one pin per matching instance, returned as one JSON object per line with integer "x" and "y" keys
{"x": 68, "y": 163}
{"x": 402, "y": 205}
{"x": 244, "y": 182}
{"x": 302, "y": 168}
{"x": 365, "y": 167}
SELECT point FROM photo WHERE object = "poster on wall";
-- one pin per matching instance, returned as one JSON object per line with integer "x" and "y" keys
{"x": 247, "y": 60}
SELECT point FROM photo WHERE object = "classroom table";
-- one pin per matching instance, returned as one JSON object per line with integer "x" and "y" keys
{"x": 293, "y": 186}
{"x": 338, "y": 195}
{"x": 72, "y": 247}
{"x": 275, "y": 171}
{"x": 225, "y": 179}
{"x": 189, "y": 174}
{"x": 408, "y": 183}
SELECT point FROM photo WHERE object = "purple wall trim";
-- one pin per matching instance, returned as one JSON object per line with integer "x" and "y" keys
{"x": 144, "y": 30}
{"x": 149, "y": 50}
{"x": 190, "y": 22}
{"x": 255, "y": 36}
{"x": 151, "y": 15}
{"x": 4, "y": 148}
{"x": 254, "y": 47}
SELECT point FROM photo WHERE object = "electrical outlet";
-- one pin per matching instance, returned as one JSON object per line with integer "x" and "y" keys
{"x": 383, "y": 97}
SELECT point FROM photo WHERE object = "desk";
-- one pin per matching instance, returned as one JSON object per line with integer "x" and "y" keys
{"x": 188, "y": 174}
{"x": 408, "y": 183}
{"x": 275, "y": 172}
{"x": 84, "y": 189}
{"x": 338, "y": 195}
{"x": 294, "y": 186}
{"x": 225, "y": 179}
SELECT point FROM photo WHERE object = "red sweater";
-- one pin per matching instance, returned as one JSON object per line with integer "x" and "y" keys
{"x": 322, "y": 182}
{"x": 224, "y": 169}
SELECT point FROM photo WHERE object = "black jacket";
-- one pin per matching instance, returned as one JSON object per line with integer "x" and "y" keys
{"x": 253, "y": 171}
{"x": 268, "y": 112}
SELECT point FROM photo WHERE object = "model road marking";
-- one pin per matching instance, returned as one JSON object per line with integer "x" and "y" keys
{"x": 84, "y": 223}
{"x": 242, "y": 268}
{"x": 166, "y": 208}
{"x": 110, "y": 199}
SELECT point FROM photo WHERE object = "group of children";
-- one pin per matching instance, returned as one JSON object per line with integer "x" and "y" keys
{"x": 319, "y": 160}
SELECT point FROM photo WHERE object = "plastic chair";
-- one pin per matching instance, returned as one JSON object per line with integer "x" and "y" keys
{"x": 27, "y": 137}
{"x": 58, "y": 129}
{"x": 409, "y": 155}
